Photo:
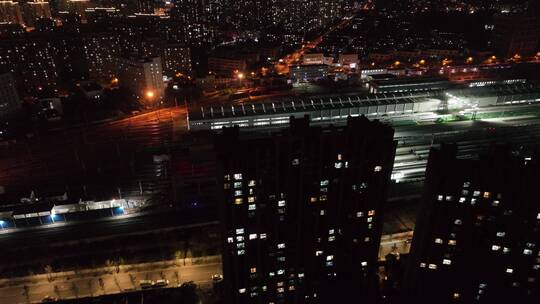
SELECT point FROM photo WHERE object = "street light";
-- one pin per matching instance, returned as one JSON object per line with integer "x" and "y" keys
{"x": 2, "y": 222}
{"x": 150, "y": 94}
{"x": 240, "y": 76}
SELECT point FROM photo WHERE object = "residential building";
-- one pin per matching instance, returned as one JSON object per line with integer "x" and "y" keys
{"x": 307, "y": 73}
{"x": 143, "y": 75}
{"x": 302, "y": 211}
{"x": 9, "y": 99}
{"x": 477, "y": 233}
{"x": 516, "y": 35}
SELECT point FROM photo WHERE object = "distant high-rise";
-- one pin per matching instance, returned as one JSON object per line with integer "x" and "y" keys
{"x": 477, "y": 234}
{"x": 34, "y": 10}
{"x": 516, "y": 35}
{"x": 9, "y": 99}
{"x": 10, "y": 12}
{"x": 143, "y": 75}
{"x": 302, "y": 211}
{"x": 146, "y": 6}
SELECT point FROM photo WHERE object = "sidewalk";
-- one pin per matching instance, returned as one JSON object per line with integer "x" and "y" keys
{"x": 107, "y": 280}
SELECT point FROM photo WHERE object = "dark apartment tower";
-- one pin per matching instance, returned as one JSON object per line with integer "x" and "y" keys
{"x": 302, "y": 211}
{"x": 516, "y": 35}
{"x": 146, "y": 6}
{"x": 477, "y": 234}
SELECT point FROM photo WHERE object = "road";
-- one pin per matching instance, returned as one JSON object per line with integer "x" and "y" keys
{"x": 86, "y": 283}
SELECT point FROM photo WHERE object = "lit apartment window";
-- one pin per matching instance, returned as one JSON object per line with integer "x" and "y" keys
{"x": 251, "y": 199}
{"x": 422, "y": 265}
{"x": 237, "y": 192}
{"x": 440, "y": 197}
{"x": 495, "y": 247}
{"x": 295, "y": 162}
{"x": 322, "y": 212}
{"x": 238, "y": 176}
{"x": 364, "y": 264}
{"x": 456, "y": 295}
{"x": 253, "y": 270}
{"x": 476, "y": 193}
{"x": 377, "y": 168}
{"x": 251, "y": 183}
{"x": 432, "y": 266}
{"x": 318, "y": 252}
{"x": 241, "y": 252}
{"x": 452, "y": 242}
{"x": 527, "y": 252}
{"x": 447, "y": 262}
{"x": 509, "y": 270}
{"x": 331, "y": 238}
{"x": 501, "y": 234}
{"x": 239, "y": 238}
{"x": 323, "y": 198}
{"x": 241, "y": 290}
{"x": 359, "y": 214}
{"x": 239, "y": 230}
{"x": 330, "y": 258}
{"x": 252, "y": 207}
{"x": 253, "y": 236}
{"x": 331, "y": 231}
{"x": 237, "y": 185}
{"x": 280, "y": 271}
{"x": 281, "y": 246}
{"x": 462, "y": 199}
{"x": 281, "y": 203}
{"x": 495, "y": 203}
{"x": 506, "y": 250}
{"x": 338, "y": 165}
{"x": 487, "y": 194}
{"x": 371, "y": 212}
{"x": 238, "y": 200}
{"x": 324, "y": 183}
{"x": 313, "y": 199}
{"x": 438, "y": 241}
{"x": 449, "y": 198}
{"x": 263, "y": 236}
{"x": 230, "y": 240}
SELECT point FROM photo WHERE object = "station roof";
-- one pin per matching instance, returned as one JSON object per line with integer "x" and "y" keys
{"x": 313, "y": 103}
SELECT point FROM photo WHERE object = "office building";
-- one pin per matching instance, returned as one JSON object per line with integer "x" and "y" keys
{"x": 477, "y": 233}
{"x": 302, "y": 211}
{"x": 516, "y": 35}
{"x": 9, "y": 99}
{"x": 143, "y": 75}
{"x": 10, "y": 12}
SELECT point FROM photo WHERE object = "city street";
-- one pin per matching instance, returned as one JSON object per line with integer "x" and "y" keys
{"x": 94, "y": 282}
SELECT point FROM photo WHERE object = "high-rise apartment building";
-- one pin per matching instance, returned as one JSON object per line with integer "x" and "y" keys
{"x": 143, "y": 75}
{"x": 34, "y": 10}
{"x": 477, "y": 234}
{"x": 302, "y": 211}
{"x": 9, "y": 99}
{"x": 10, "y": 12}
{"x": 516, "y": 35}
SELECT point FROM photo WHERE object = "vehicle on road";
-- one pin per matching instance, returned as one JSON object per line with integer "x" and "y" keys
{"x": 217, "y": 278}
{"x": 48, "y": 299}
{"x": 145, "y": 284}
{"x": 161, "y": 283}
